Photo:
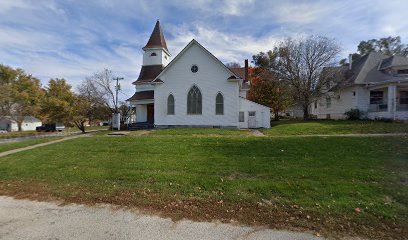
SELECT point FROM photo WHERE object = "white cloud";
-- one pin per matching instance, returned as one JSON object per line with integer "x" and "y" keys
{"x": 73, "y": 39}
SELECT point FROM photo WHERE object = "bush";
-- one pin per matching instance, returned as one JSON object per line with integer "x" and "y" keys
{"x": 354, "y": 114}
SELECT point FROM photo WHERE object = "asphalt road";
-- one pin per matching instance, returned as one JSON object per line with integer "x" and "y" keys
{"x": 24, "y": 219}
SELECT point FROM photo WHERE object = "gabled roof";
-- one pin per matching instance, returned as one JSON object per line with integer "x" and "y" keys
{"x": 394, "y": 61}
{"x": 369, "y": 69}
{"x": 191, "y": 43}
{"x": 239, "y": 72}
{"x": 156, "y": 40}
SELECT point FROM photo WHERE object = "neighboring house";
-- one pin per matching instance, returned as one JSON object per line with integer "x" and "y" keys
{"x": 294, "y": 111}
{"x": 29, "y": 124}
{"x": 376, "y": 84}
{"x": 195, "y": 89}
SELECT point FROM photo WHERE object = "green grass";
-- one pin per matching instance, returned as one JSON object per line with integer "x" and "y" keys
{"x": 288, "y": 127}
{"x": 14, "y": 145}
{"x": 199, "y": 131}
{"x": 323, "y": 176}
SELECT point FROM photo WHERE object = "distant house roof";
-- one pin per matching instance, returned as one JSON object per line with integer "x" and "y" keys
{"x": 394, "y": 61}
{"x": 145, "y": 95}
{"x": 156, "y": 39}
{"x": 369, "y": 69}
{"x": 27, "y": 119}
{"x": 240, "y": 72}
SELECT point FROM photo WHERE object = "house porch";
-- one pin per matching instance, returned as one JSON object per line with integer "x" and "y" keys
{"x": 390, "y": 102}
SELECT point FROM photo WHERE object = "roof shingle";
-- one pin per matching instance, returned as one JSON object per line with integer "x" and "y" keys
{"x": 145, "y": 95}
{"x": 156, "y": 40}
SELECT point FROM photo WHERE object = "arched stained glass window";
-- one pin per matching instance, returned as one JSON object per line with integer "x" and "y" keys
{"x": 170, "y": 105}
{"x": 219, "y": 104}
{"x": 194, "y": 101}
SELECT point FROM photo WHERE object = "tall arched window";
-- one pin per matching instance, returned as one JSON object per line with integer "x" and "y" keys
{"x": 219, "y": 104}
{"x": 170, "y": 105}
{"x": 194, "y": 101}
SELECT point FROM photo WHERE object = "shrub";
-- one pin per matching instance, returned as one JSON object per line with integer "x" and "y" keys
{"x": 354, "y": 114}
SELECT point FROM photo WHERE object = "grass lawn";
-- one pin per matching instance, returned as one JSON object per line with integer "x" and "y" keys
{"x": 200, "y": 131}
{"x": 14, "y": 145}
{"x": 290, "y": 127}
{"x": 313, "y": 183}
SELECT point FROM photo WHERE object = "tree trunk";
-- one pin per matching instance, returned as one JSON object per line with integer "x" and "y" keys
{"x": 276, "y": 115}
{"x": 80, "y": 125}
{"x": 306, "y": 115}
{"x": 19, "y": 125}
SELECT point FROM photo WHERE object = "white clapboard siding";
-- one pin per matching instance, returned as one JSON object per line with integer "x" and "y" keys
{"x": 211, "y": 78}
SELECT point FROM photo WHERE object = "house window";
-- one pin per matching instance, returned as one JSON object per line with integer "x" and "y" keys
{"x": 403, "y": 97}
{"x": 219, "y": 104}
{"x": 153, "y": 54}
{"x": 376, "y": 97}
{"x": 354, "y": 93}
{"x": 194, "y": 101}
{"x": 403, "y": 71}
{"x": 194, "y": 68}
{"x": 241, "y": 116}
{"x": 315, "y": 104}
{"x": 170, "y": 105}
{"x": 328, "y": 102}
{"x": 251, "y": 114}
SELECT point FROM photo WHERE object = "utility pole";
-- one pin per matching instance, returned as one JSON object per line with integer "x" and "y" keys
{"x": 117, "y": 90}
{"x": 116, "y": 116}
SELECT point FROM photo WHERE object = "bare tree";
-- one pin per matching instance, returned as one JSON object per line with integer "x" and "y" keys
{"x": 125, "y": 111}
{"x": 98, "y": 107}
{"x": 102, "y": 85}
{"x": 300, "y": 63}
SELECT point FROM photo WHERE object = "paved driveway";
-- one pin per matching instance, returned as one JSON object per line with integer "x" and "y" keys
{"x": 23, "y": 219}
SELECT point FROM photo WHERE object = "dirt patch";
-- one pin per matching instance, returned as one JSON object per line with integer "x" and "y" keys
{"x": 256, "y": 133}
{"x": 139, "y": 133}
{"x": 254, "y": 214}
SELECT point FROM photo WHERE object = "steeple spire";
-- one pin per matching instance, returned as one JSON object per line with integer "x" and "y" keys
{"x": 156, "y": 40}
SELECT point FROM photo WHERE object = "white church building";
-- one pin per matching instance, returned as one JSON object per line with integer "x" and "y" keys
{"x": 194, "y": 89}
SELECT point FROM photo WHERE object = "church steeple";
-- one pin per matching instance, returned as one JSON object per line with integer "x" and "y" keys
{"x": 157, "y": 39}
{"x": 155, "y": 51}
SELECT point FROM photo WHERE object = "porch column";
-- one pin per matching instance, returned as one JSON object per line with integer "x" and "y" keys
{"x": 392, "y": 96}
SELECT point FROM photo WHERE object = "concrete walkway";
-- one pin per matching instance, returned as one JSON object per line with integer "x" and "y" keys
{"x": 23, "y": 219}
{"x": 2, "y": 154}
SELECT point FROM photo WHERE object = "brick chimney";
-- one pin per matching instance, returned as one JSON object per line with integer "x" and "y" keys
{"x": 246, "y": 78}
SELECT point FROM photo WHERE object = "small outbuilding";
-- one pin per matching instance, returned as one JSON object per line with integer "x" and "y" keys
{"x": 10, "y": 125}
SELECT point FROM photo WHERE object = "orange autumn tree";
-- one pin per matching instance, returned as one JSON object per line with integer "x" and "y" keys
{"x": 267, "y": 89}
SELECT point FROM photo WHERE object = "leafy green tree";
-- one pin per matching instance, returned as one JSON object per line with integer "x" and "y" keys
{"x": 20, "y": 94}
{"x": 58, "y": 101}
{"x": 80, "y": 112}
{"x": 388, "y": 46}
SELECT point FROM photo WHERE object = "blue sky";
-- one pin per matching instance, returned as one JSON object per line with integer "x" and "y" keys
{"x": 71, "y": 39}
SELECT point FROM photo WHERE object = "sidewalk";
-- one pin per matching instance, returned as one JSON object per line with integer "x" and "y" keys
{"x": 2, "y": 154}
{"x": 24, "y": 219}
